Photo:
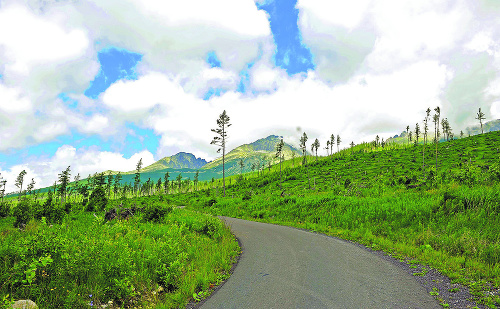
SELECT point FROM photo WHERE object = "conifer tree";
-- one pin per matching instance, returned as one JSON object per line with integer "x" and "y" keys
{"x": 352, "y": 147}
{"x": 19, "y": 182}
{"x": 279, "y": 154}
{"x": 109, "y": 183}
{"x": 303, "y": 141}
{"x": 332, "y": 142}
{"x": 64, "y": 178}
{"x": 195, "y": 182}
{"x": 436, "y": 125}
{"x": 158, "y": 185}
{"x": 165, "y": 182}
{"x": 241, "y": 166}
{"x": 316, "y": 147}
{"x": 327, "y": 147}
{"x": 31, "y": 186}
{"x": 220, "y": 141}
{"x": 118, "y": 179}
{"x": 480, "y": 117}
{"x": 408, "y": 134}
{"x": 417, "y": 132}
{"x": 338, "y": 142}
{"x": 179, "y": 181}
{"x": 2, "y": 187}
{"x": 137, "y": 176}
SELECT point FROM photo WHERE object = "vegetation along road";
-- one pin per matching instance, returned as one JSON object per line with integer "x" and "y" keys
{"x": 283, "y": 267}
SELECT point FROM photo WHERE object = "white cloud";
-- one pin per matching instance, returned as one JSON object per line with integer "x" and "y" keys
{"x": 12, "y": 100}
{"x": 83, "y": 161}
{"x": 239, "y": 16}
{"x": 347, "y": 14}
{"x": 30, "y": 40}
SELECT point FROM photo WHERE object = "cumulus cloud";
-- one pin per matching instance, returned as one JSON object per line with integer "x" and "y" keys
{"x": 33, "y": 40}
{"x": 82, "y": 161}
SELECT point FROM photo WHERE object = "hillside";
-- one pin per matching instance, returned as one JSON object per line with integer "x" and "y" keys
{"x": 490, "y": 126}
{"x": 389, "y": 199}
{"x": 180, "y": 160}
{"x": 258, "y": 153}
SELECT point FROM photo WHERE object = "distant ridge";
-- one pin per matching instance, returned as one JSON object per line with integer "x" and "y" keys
{"x": 177, "y": 161}
{"x": 260, "y": 152}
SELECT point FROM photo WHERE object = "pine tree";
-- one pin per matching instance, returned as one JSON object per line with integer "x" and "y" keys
{"x": 352, "y": 147}
{"x": 179, "y": 181}
{"x": 118, "y": 179}
{"x": 137, "y": 176}
{"x": 338, "y": 142}
{"x": 158, "y": 185}
{"x": 195, "y": 182}
{"x": 303, "y": 141}
{"x": 436, "y": 125}
{"x": 19, "y": 182}
{"x": 241, "y": 166}
{"x": 64, "y": 178}
{"x": 31, "y": 186}
{"x": 417, "y": 132}
{"x": 279, "y": 154}
{"x": 408, "y": 134}
{"x": 3, "y": 183}
{"x": 109, "y": 183}
{"x": 480, "y": 117}
{"x": 316, "y": 147}
{"x": 327, "y": 147}
{"x": 220, "y": 141}
{"x": 332, "y": 142}
{"x": 165, "y": 182}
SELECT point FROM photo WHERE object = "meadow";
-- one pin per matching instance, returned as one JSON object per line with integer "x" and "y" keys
{"x": 159, "y": 258}
{"x": 389, "y": 199}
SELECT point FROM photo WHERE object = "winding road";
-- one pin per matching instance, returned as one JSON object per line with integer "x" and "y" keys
{"x": 283, "y": 267}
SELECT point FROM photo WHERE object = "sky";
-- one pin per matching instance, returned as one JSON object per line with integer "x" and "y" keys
{"x": 97, "y": 85}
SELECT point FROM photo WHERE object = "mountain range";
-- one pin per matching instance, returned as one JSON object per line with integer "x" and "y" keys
{"x": 254, "y": 155}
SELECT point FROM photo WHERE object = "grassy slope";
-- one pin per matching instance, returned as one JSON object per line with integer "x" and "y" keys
{"x": 449, "y": 219}
{"x": 132, "y": 263}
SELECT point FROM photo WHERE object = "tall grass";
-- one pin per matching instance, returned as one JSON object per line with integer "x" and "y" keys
{"x": 448, "y": 218}
{"x": 86, "y": 262}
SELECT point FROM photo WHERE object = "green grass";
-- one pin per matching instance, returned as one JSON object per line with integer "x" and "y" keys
{"x": 387, "y": 199}
{"x": 133, "y": 263}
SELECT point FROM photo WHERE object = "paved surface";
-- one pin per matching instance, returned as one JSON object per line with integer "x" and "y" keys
{"x": 282, "y": 267}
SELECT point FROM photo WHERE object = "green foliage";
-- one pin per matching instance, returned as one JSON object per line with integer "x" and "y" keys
{"x": 97, "y": 200}
{"x": 156, "y": 212}
{"x": 4, "y": 209}
{"x": 131, "y": 262}
{"x": 382, "y": 198}
{"x": 23, "y": 213}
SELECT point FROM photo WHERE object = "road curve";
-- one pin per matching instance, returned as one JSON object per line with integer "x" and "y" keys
{"x": 283, "y": 267}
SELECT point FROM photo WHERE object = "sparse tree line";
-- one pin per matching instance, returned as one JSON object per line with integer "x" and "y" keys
{"x": 93, "y": 192}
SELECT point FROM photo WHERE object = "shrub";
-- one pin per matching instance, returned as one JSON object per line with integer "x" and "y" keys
{"x": 156, "y": 212}
{"x": 4, "y": 209}
{"x": 23, "y": 213}
{"x": 97, "y": 200}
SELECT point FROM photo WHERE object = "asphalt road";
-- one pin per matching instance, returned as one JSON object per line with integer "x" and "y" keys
{"x": 282, "y": 267}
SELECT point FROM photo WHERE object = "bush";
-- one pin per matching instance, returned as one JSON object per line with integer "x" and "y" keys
{"x": 4, "y": 209}
{"x": 23, "y": 213}
{"x": 97, "y": 200}
{"x": 156, "y": 212}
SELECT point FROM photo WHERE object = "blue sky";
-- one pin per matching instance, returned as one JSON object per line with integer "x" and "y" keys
{"x": 82, "y": 86}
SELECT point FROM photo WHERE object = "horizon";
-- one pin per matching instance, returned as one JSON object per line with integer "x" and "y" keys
{"x": 82, "y": 85}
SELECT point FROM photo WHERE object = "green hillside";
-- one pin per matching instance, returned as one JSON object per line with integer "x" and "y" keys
{"x": 391, "y": 199}
{"x": 181, "y": 160}
{"x": 258, "y": 153}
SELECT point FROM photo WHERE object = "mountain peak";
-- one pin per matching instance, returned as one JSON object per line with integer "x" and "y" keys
{"x": 179, "y": 160}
